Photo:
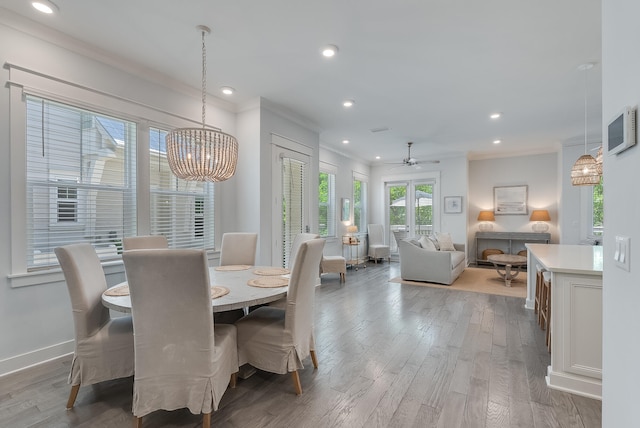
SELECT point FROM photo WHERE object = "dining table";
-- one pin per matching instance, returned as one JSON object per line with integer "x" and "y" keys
{"x": 234, "y": 278}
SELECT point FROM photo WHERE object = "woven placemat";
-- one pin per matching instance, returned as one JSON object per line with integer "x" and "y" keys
{"x": 268, "y": 282}
{"x": 218, "y": 291}
{"x": 272, "y": 271}
{"x": 121, "y": 290}
{"x": 230, "y": 268}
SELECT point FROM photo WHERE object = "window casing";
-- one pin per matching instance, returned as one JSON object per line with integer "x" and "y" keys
{"x": 327, "y": 204}
{"x": 360, "y": 202}
{"x": 80, "y": 180}
{"x": 181, "y": 210}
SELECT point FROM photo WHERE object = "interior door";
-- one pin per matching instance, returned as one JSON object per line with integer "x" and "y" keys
{"x": 291, "y": 208}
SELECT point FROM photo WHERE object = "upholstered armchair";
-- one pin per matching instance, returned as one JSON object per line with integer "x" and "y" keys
{"x": 377, "y": 247}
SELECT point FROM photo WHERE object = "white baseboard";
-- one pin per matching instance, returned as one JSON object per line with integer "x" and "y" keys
{"x": 21, "y": 362}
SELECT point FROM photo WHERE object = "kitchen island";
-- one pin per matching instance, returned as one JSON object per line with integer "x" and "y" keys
{"x": 576, "y": 314}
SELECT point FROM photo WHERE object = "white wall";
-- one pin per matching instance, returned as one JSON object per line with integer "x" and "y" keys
{"x": 621, "y": 289}
{"x": 346, "y": 166}
{"x": 538, "y": 172}
{"x": 452, "y": 178}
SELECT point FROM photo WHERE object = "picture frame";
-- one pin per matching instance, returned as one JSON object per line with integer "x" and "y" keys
{"x": 510, "y": 200}
{"x": 346, "y": 210}
{"x": 452, "y": 204}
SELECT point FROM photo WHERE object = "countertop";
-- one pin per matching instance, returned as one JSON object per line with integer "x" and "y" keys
{"x": 576, "y": 259}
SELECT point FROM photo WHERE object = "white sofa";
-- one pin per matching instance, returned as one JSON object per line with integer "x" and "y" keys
{"x": 419, "y": 264}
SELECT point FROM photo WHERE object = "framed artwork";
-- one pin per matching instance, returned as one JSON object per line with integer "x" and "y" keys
{"x": 452, "y": 204}
{"x": 510, "y": 200}
{"x": 346, "y": 209}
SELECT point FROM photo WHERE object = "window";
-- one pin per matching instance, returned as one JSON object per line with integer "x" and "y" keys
{"x": 80, "y": 180}
{"x": 180, "y": 210}
{"x": 327, "y": 204}
{"x": 597, "y": 226}
{"x": 360, "y": 203}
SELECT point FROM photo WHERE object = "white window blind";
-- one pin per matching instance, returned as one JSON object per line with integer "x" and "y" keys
{"x": 293, "y": 196}
{"x": 181, "y": 210}
{"x": 327, "y": 204}
{"x": 80, "y": 180}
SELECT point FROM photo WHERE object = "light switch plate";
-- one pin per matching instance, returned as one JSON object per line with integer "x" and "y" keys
{"x": 622, "y": 254}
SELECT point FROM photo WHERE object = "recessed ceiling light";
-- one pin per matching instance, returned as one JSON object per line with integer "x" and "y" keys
{"x": 377, "y": 157}
{"x": 495, "y": 115}
{"x": 345, "y": 141}
{"x": 227, "y": 90}
{"x": 329, "y": 51}
{"x": 45, "y": 6}
{"x": 497, "y": 141}
{"x": 348, "y": 103}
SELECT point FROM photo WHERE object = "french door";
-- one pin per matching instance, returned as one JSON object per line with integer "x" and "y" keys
{"x": 291, "y": 207}
{"x": 410, "y": 209}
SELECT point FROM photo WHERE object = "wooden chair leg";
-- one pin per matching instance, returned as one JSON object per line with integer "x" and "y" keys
{"x": 296, "y": 382}
{"x": 233, "y": 380}
{"x": 72, "y": 396}
{"x": 314, "y": 359}
{"x": 206, "y": 420}
{"x": 137, "y": 422}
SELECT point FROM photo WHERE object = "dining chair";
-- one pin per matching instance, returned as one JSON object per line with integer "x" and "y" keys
{"x": 278, "y": 340}
{"x": 181, "y": 359}
{"x": 103, "y": 345}
{"x": 147, "y": 242}
{"x": 377, "y": 247}
{"x": 295, "y": 246}
{"x": 238, "y": 248}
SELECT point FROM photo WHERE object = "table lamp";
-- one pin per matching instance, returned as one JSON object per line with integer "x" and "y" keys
{"x": 486, "y": 217}
{"x": 352, "y": 229}
{"x": 540, "y": 217}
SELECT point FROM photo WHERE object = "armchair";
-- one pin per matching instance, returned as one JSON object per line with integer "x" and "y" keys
{"x": 377, "y": 247}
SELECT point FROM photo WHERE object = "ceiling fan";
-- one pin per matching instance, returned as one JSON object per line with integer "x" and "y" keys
{"x": 410, "y": 161}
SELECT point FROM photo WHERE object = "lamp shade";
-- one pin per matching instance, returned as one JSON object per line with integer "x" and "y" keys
{"x": 585, "y": 172}
{"x": 352, "y": 229}
{"x": 486, "y": 216}
{"x": 540, "y": 215}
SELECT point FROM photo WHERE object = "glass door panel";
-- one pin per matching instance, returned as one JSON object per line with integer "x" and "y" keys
{"x": 423, "y": 209}
{"x": 397, "y": 215}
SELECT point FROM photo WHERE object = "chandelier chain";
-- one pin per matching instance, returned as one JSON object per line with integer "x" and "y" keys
{"x": 204, "y": 79}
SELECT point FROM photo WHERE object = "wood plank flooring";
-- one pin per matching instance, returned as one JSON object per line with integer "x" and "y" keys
{"x": 390, "y": 355}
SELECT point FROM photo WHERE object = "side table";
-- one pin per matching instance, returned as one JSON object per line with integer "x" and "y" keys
{"x": 350, "y": 242}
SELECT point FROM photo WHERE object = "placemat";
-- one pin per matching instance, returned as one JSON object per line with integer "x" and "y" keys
{"x": 218, "y": 291}
{"x": 230, "y": 268}
{"x": 268, "y": 282}
{"x": 272, "y": 271}
{"x": 121, "y": 290}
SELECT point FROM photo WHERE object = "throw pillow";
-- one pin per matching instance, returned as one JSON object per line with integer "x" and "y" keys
{"x": 427, "y": 244}
{"x": 415, "y": 242}
{"x": 434, "y": 241}
{"x": 444, "y": 239}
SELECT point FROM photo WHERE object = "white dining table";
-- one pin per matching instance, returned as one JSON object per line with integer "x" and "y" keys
{"x": 241, "y": 295}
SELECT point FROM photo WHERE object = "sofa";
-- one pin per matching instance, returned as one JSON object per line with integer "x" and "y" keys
{"x": 428, "y": 265}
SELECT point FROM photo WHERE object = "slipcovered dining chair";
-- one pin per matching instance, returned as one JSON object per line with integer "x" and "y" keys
{"x": 103, "y": 346}
{"x": 377, "y": 247}
{"x": 278, "y": 340}
{"x": 147, "y": 242}
{"x": 181, "y": 358}
{"x": 238, "y": 249}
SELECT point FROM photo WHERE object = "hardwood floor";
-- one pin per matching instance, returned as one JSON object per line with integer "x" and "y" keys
{"x": 390, "y": 355}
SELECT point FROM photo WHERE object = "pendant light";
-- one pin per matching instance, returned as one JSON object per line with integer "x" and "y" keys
{"x": 585, "y": 171}
{"x": 202, "y": 154}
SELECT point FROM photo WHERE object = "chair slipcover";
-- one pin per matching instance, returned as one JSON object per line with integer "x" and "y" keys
{"x": 295, "y": 245}
{"x": 277, "y": 340}
{"x": 103, "y": 346}
{"x": 181, "y": 360}
{"x": 377, "y": 247}
{"x": 238, "y": 249}
{"x": 144, "y": 242}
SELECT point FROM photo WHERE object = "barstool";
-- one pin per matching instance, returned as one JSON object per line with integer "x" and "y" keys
{"x": 536, "y": 307}
{"x": 545, "y": 306}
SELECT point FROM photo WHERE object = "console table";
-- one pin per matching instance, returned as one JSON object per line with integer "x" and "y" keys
{"x": 508, "y": 242}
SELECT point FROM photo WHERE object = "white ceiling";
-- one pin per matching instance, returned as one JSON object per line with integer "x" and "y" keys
{"x": 430, "y": 70}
